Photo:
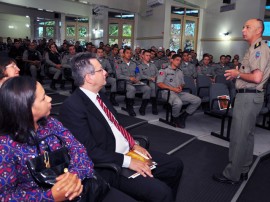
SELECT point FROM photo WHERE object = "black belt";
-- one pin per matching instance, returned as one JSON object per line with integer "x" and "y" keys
{"x": 246, "y": 90}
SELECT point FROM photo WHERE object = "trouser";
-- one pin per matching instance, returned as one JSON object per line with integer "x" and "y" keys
{"x": 176, "y": 100}
{"x": 246, "y": 109}
{"x": 152, "y": 85}
{"x": 56, "y": 72}
{"x": 132, "y": 89}
{"x": 34, "y": 70}
{"x": 161, "y": 188}
{"x": 112, "y": 82}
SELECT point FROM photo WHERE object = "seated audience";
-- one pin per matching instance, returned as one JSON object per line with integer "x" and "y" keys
{"x": 187, "y": 67}
{"x": 53, "y": 61}
{"x": 219, "y": 68}
{"x": 205, "y": 68}
{"x": 93, "y": 121}
{"x": 172, "y": 78}
{"x": 32, "y": 59}
{"x": 149, "y": 72}
{"x": 128, "y": 70}
{"x": 29, "y": 112}
{"x": 8, "y": 69}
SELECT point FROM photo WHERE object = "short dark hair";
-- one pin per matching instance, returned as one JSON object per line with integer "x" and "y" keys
{"x": 127, "y": 48}
{"x": 17, "y": 96}
{"x": 81, "y": 65}
{"x": 176, "y": 56}
{"x": 170, "y": 53}
{"x": 222, "y": 56}
{"x": 146, "y": 51}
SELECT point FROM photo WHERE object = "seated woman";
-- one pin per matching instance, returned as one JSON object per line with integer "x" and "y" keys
{"x": 8, "y": 69}
{"x": 24, "y": 108}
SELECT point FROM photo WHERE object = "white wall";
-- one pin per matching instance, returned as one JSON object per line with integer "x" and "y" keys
{"x": 150, "y": 29}
{"x": 19, "y": 29}
{"x": 214, "y": 22}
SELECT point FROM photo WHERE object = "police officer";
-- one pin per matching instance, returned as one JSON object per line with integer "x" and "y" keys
{"x": 149, "y": 71}
{"x": 32, "y": 59}
{"x": 172, "y": 78}
{"x": 187, "y": 67}
{"x": 205, "y": 68}
{"x": 66, "y": 65}
{"x": 166, "y": 64}
{"x": 160, "y": 59}
{"x": 250, "y": 78}
{"x": 219, "y": 68}
{"x": 130, "y": 72}
{"x": 110, "y": 77}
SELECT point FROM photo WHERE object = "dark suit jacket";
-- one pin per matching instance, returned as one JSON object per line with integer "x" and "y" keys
{"x": 80, "y": 115}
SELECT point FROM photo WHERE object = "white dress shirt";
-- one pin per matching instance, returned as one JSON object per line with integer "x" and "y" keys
{"x": 122, "y": 145}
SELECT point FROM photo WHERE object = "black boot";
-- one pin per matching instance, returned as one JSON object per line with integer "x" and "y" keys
{"x": 154, "y": 106}
{"x": 52, "y": 86}
{"x": 62, "y": 86}
{"x": 112, "y": 99}
{"x": 182, "y": 120}
{"x": 143, "y": 106}
{"x": 130, "y": 110}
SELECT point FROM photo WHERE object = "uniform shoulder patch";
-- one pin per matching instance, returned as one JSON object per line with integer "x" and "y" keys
{"x": 257, "y": 45}
{"x": 258, "y": 54}
{"x": 161, "y": 73}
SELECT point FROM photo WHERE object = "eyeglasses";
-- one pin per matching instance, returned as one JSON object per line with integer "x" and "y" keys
{"x": 100, "y": 70}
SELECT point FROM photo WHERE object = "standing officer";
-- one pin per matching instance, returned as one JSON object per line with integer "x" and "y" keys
{"x": 172, "y": 78}
{"x": 130, "y": 72}
{"x": 149, "y": 71}
{"x": 250, "y": 79}
{"x": 110, "y": 77}
{"x": 187, "y": 67}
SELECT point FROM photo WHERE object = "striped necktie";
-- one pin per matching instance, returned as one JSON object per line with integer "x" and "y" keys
{"x": 123, "y": 131}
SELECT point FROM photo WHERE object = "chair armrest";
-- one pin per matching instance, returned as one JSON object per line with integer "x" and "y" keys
{"x": 118, "y": 85}
{"x": 142, "y": 140}
{"x": 111, "y": 166}
{"x": 168, "y": 95}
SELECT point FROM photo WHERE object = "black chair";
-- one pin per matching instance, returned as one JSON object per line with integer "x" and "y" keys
{"x": 219, "y": 96}
{"x": 166, "y": 105}
{"x": 190, "y": 86}
{"x": 203, "y": 85}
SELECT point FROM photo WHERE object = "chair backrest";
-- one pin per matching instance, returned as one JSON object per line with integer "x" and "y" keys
{"x": 190, "y": 86}
{"x": 220, "y": 79}
{"x": 216, "y": 90}
{"x": 203, "y": 85}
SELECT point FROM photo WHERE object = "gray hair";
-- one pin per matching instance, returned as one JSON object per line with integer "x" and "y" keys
{"x": 81, "y": 65}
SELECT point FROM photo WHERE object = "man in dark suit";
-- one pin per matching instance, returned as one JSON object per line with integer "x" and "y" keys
{"x": 83, "y": 115}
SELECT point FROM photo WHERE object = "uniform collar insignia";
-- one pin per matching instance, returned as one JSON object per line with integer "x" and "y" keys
{"x": 257, "y": 45}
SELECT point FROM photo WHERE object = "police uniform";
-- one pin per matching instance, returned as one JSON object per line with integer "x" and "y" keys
{"x": 219, "y": 69}
{"x": 125, "y": 71}
{"x": 159, "y": 61}
{"x": 248, "y": 103}
{"x": 188, "y": 69}
{"x": 206, "y": 70}
{"x": 175, "y": 78}
{"x": 148, "y": 71}
{"x": 110, "y": 80}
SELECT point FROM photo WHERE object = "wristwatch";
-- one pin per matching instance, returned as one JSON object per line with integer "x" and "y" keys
{"x": 238, "y": 76}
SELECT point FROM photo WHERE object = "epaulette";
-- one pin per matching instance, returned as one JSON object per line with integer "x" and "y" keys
{"x": 257, "y": 45}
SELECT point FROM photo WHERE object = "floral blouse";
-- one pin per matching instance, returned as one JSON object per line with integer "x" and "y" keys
{"x": 16, "y": 182}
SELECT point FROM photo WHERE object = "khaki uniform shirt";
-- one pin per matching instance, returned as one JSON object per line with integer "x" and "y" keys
{"x": 256, "y": 57}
